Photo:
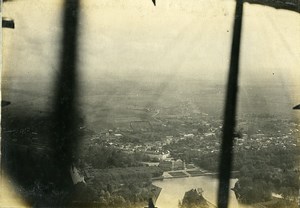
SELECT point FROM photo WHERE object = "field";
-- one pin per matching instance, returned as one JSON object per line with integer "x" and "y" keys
{"x": 179, "y": 174}
{"x": 116, "y": 103}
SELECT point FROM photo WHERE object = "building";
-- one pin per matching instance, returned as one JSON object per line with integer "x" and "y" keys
{"x": 178, "y": 165}
{"x": 166, "y": 165}
{"x": 158, "y": 155}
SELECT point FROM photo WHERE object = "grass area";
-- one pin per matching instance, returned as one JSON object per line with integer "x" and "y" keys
{"x": 178, "y": 174}
{"x": 195, "y": 172}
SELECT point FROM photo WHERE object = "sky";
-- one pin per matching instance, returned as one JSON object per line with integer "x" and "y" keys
{"x": 132, "y": 39}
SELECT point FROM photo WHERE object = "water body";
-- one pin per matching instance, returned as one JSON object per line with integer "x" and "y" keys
{"x": 173, "y": 190}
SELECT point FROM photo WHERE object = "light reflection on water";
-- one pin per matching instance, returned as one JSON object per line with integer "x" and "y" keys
{"x": 173, "y": 190}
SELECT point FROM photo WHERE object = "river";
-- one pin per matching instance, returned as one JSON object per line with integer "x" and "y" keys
{"x": 173, "y": 190}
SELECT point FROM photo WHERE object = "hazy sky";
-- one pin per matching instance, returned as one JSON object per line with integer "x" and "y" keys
{"x": 176, "y": 38}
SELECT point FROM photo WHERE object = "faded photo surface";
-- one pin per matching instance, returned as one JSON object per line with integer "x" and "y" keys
{"x": 122, "y": 103}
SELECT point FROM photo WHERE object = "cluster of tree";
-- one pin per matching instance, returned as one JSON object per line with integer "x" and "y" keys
{"x": 118, "y": 178}
{"x": 126, "y": 175}
{"x": 107, "y": 200}
{"x": 142, "y": 157}
{"x": 262, "y": 172}
{"x": 86, "y": 196}
{"x": 117, "y": 187}
{"x": 251, "y": 191}
{"x": 265, "y": 171}
{"x": 208, "y": 161}
{"x": 193, "y": 199}
{"x": 187, "y": 149}
{"x": 107, "y": 157}
{"x": 274, "y": 156}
